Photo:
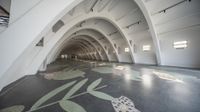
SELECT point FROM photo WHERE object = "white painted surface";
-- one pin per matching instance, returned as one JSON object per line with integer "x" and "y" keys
{"x": 20, "y": 7}
{"x": 13, "y": 49}
{"x": 20, "y": 57}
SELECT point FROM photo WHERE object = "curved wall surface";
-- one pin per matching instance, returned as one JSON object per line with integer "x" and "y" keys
{"x": 130, "y": 31}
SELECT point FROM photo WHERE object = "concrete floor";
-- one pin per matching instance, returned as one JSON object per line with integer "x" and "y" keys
{"x": 86, "y": 86}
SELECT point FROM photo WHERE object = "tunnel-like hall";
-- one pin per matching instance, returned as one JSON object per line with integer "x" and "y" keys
{"x": 99, "y": 56}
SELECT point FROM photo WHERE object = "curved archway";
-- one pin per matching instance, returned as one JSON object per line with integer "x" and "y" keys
{"x": 98, "y": 46}
{"x": 80, "y": 38}
{"x": 93, "y": 28}
{"x": 81, "y": 18}
{"x": 42, "y": 55}
{"x": 148, "y": 18}
{"x": 80, "y": 46}
{"x": 90, "y": 47}
{"x": 88, "y": 34}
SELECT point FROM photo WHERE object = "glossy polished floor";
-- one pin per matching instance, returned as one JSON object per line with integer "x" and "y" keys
{"x": 86, "y": 86}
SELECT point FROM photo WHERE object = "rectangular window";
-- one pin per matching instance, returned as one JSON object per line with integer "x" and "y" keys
{"x": 134, "y": 48}
{"x": 109, "y": 51}
{"x": 180, "y": 44}
{"x": 146, "y": 47}
{"x": 130, "y": 41}
{"x": 126, "y": 49}
{"x": 115, "y": 46}
{"x": 119, "y": 50}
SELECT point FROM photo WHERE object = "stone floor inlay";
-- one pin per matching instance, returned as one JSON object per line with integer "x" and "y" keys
{"x": 84, "y": 86}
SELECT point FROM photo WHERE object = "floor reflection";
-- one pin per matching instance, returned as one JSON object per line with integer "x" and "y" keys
{"x": 147, "y": 80}
{"x": 151, "y": 88}
{"x": 167, "y": 76}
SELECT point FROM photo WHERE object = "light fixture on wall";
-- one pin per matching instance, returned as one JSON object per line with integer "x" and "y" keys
{"x": 112, "y": 33}
{"x": 93, "y": 5}
{"x": 172, "y": 6}
{"x": 146, "y": 47}
{"x": 127, "y": 49}
{"x": 181, "y": 44}
{"x": 135, "y": 23}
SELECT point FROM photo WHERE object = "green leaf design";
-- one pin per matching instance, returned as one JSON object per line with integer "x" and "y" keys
{"x": 51, "y": 94}
{"x": 70, "y": 106}
{"x": 98, "y": 94}
{"x": 94, "y": 84}
{"x": 75, "y": 88}
{"x": 101, "y": 95}
{"x": 16, "y": 108}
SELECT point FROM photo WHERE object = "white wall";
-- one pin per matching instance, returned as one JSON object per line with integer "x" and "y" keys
{"x": 179, "y": 23}
{"x": 140, "y": 56}
{"x": 20, "y": 7}
{"x": 46, "y": 13}
{"x": 188, "y": 57}
{"x": 17, "y": 42}
{"x": 13, "y": 49}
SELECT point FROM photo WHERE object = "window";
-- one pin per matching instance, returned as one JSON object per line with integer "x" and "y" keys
{"x": 62, "y": 56}
{"x": 66, "y": 56}
{"x": 105, "y": 47}
{"x": 115, "y": 46}
{"x": 180, "y": 44}
{"x": 126, "y": 49}
{"x": 57, "y": 26}
{"x": 119, "y": 50}
{"x": 134, "y": 48}
{"x": 41, "y": 42}
{"x": 109, "y": 51}
{"x": 130, "y": 41}
{"x": 4, "y": 12}
{"x": 146, "y": 47}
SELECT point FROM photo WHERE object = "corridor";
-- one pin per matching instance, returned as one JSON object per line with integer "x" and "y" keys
{"x": 99, "y": 56}
{"x": 92, "y": 86}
